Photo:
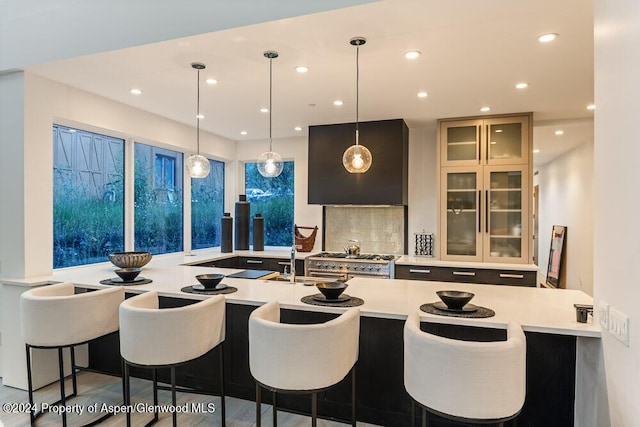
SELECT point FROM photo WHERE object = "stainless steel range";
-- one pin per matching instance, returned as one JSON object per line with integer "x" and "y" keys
{"x": 344, "y": 266}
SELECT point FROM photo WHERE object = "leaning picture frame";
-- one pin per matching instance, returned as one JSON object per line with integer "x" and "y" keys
{"x": 556, "y": 256}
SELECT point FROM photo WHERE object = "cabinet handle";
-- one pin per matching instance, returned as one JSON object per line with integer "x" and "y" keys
{"x": 486, "y": 210}
{"x": 511, "y": 276}
{"x": 464, "y": 273}
{"x": 413, "y": 270}
{"x": 254, "y": 261}
{"x": 283, "y": 263}
{"x": 479, "y": 140}
{"x": 479, "y": 211}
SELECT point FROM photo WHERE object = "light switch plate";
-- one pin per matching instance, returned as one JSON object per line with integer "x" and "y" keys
{"x": 619, "y": 325}
{"x": 603, "y": 315}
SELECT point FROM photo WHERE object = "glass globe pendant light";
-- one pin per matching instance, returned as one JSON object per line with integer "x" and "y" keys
{"x": 357, "y": 158}
{"x": 270, "y": 163}
{"x": 198, "y": 166}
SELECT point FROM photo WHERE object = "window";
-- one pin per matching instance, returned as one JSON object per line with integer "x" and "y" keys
{"x": 157, "y": 199}
{"x": 273, "y": 198}
{"x": 88, "y": 196}
{"x": 207, "y": 207}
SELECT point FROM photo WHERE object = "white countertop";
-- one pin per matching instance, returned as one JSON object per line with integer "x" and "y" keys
{"x": 536, "y": 309}
{"x": 433, "y": 262}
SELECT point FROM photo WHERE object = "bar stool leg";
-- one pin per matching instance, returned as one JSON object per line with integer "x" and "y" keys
{"x": 224, "y": 417}
{"x": 353, "y": 396}
{"x": 173, "y": 395}
{"x": 73, "y": 370}
{"x": 258, "y": 406}
{"x": 413, "y": 412}
{"x": 63, "y": 399}
{"x": 154, "y": 376}
{"x": 127, "y": 390}
{"x": 425, "y": 421}
{"x": 275, "y": 410}
{"x": 32, "y": 412}
{"x": 314, "y": 409}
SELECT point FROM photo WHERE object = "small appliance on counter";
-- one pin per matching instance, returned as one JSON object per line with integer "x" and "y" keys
{"x": 424, "y": 244}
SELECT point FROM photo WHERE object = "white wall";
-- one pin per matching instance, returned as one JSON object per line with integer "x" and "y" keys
{"x": 616, "y": 178}
{"x": 566, "y": 198}
{"x": 423, "y": 193}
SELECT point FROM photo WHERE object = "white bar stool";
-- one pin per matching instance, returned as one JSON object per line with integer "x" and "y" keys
{"x": 473, "y": 382}
{"x": 151, "y": 337}
{"x": 302, "y": 358}
{"x": 56, "y": 318}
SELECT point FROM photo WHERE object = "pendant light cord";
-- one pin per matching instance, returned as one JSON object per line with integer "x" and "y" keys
{"x": 270, "y": 100}
{"x": 357, "y": 89}
{"x": 198, "y": 117}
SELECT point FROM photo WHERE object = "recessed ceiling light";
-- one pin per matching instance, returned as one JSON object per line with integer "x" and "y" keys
{"x": 498, "y": 130}
{"x": 135, "y": 91}
{"x": 546, "y": 38}
{"x": 200, "y": 116}
{"x": 297, "y": 128}
{"x": 338, "y": 103}
{"x": 422, "y": 94}
{"x": 493, "y": 143}
{"x": 264, "y": 110}
{"x": 302, "y": 69}
{"x": 522, "y": 85}
{"x": 211, "y": 81}
{"x": 536, "y": 151}
{"x": 559, "y": 132}
{"x": 412, "y": 54}
{"x": 485, "y": 109}
{"x": 591, "y": 107}
{"x": 244, "y": 132}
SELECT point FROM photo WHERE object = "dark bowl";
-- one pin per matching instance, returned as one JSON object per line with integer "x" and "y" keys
{"x": 331, "y": 290}
{"x": 128, "y": 274}
{"x": 130, "y": 259}
{"x": 455, "y": 300}
{"x": 209, "y": 281}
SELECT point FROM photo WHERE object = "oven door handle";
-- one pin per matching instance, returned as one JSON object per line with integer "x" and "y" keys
{"x": 326, "y": 274}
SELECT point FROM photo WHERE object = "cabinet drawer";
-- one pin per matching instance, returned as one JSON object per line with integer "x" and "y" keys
{"x": 510, "y": 277}
{"x": 414, "y": 272}
{"x": 462, "y": 275}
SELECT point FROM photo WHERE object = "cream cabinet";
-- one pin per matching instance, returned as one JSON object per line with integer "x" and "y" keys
{"x": 485, "y": 201}
{"x": 485, "y": 141}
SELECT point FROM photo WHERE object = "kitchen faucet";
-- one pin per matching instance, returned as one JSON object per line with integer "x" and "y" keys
{"x": 292, "y": 275}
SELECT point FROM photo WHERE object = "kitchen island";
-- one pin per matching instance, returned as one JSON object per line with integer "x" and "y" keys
{"x": 547, "y": 316}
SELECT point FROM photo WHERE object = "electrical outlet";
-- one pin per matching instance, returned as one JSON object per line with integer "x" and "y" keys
{"x": 603, "y": 315}
{"x": 619, "y": 325}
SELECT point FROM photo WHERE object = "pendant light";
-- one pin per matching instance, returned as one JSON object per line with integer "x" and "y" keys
{"x": 357, "y": 158}
{"x": 270, "y": 163}
{"x": 198, "y": 166}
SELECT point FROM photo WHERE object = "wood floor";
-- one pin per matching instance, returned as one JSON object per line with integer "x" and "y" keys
{"x": 100, "y": 389}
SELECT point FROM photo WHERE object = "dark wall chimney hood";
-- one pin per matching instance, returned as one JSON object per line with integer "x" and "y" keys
{"x": 385, "y": 183}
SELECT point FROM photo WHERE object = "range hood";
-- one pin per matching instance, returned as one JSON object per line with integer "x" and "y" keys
{"x": 385, "y": 183}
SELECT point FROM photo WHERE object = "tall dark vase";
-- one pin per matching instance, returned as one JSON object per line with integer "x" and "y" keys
{"x": 226, "y": 233}
{"x": 258, "y": 233}
{"x": 242, "y": 223}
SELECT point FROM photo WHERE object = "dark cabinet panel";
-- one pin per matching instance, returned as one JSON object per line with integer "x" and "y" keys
{"x": 467, "y": 275}
{"x": 385, "y": 183}
{"x": 256, "y": 263}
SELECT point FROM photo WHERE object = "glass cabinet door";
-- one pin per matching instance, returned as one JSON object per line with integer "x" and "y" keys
{"x": 461, "y": 233}
{"x": 460, "y": 142}
{"x": 507, "y": 141}
{"x": 506, "y": 214}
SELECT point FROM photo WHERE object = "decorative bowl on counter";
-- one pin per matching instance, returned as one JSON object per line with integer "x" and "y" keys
{"x": 130, "y": 259}
{"x": 211, "y": 281}
{"x": 128, "y": 274}
{"x": 455, "y": 300}
{"x": 331, "y": 290}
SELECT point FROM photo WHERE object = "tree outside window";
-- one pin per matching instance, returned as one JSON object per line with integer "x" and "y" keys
{"x": 207, "y": 207}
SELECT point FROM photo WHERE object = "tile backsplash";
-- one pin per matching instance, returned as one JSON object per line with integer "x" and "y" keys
{"x": 380, "y": 229}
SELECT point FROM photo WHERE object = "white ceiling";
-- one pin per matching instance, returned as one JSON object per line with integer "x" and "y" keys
{"x": 473, "y": 54}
